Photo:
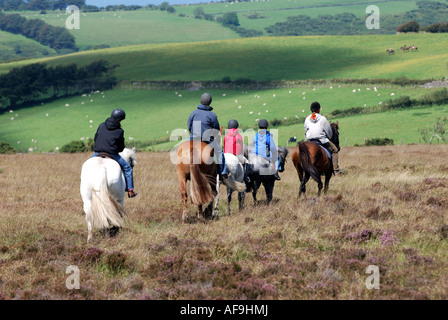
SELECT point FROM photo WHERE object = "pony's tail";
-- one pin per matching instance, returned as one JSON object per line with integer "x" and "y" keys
{"x": 235, "y": 185}
{"x": 305, "y": 159}
{"x": 106, "y": 211}
{"x": 200, "y": 189}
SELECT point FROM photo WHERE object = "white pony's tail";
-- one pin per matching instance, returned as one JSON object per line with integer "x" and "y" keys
{"x": 235, "y": 185}
{"x": 106, "y": 211}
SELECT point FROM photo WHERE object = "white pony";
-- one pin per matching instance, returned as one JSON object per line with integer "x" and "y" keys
{"x": 102, "y": 191}
{"x": 235, "y": 182}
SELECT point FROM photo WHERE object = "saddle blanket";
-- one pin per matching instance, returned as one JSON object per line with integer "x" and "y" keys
{"x": 323, "y": 148}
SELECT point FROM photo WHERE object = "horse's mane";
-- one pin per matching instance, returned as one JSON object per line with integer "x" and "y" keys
{"x": 129, "y": 156}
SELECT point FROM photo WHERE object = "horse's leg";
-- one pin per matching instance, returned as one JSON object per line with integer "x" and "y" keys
{"x": 229, "y": 199}
{"x": 320, "y": 185}
{"x": 327, "y": 181}
{"x": 216, "y": 208}
{"x": 255, "y": 190}
{"x": 183, "y": 191}
{"x": 200, "y": 212}
{"x": 268, "y": 189}
{"x": 89, "y": 219}
{"x": 241, "y": 196}
{"x": 303, "y": 184}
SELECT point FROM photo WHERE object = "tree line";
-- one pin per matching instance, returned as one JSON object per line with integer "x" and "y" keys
{"x": 39, "y": 5}
{"x": 57, "y": 38}
{"x": 35, "y": 81}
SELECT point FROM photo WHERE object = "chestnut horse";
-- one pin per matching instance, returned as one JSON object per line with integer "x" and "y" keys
{"x": 195, "y": 162}
{"x": 311, "y": 161}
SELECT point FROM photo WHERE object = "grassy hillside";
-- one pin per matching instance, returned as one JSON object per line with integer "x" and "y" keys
{"x": 121, "y": 28}
{"x": 156, "y": 114}
{"x": 289, "y": 58}
{"x": 13, "y": 46}
{"x": 271, "y": 12}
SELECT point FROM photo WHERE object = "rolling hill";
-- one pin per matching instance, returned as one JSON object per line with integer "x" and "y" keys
{"x": 271, "y": 58}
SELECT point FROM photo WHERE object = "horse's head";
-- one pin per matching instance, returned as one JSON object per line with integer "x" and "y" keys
{"x": 282, "y": 154}
{"x": 129, "y": 156}
{"x": 335, "y": 126}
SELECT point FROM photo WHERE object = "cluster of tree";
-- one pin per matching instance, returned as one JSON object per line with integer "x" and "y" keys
{"x": 31, "y": 82}
{"x": 57, "y": 38}
{"x": 39, "y": 5}
{"x": 165, "y": 6}
{"x": 230, "y": 20}
{"x": 123, "y": 7}
{"x": 437, "y": 27}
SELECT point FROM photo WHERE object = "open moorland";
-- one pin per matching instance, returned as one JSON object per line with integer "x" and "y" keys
{"x": 387, "y": 210}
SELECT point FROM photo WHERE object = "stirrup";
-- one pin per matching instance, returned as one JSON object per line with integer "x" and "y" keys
{"x": 132, "y": 194}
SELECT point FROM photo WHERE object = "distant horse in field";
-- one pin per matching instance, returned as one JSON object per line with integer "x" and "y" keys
{"x": 405, "y": 49}
{"x": 261, "y": 172}
{"x": 390, "y": 51}
{"x": 195, "y": 162}
{"x": 234, "y": 183}
{"x": 414, "y": 48}
{"x": 310, "y": 160}
{"x": 102, "y": 190}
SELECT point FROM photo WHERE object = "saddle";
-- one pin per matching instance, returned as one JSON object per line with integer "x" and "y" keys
{"x": 104, "y": 155}
{"x": 316, "y": 141}
{"x": 107, "y": 155}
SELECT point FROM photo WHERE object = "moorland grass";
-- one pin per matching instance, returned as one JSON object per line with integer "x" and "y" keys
{"x": 387, "y": 210}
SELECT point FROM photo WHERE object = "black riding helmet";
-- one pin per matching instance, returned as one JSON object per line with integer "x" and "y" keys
{"x": 233, "y": 124}
{"x": 206, "y": 99}
{"x": 263, "y": 124}
{"x": 118, "y": 114}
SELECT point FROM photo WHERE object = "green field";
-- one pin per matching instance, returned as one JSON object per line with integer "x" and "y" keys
{"x": 269, "y": 58}
{"x": 156, "y": 114}
{"x": 9, "y": 43}
{"x": 122, "y": 28}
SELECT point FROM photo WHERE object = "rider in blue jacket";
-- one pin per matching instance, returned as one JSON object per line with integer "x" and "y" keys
{"x": 204, "y": 126}
{"x": 264, "y": 146}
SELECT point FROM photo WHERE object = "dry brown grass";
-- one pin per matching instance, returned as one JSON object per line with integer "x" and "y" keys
{"x": 388, "y": 209}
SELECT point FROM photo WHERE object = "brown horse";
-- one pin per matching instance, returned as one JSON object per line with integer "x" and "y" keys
{"x": 390, "y": 51}
{"x": 311, "y": 161}
{"x": 405, "y": 49}
{"x": 195, "y": 163}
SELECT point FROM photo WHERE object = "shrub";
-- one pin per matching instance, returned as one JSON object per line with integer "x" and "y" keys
{"x": 379, "y": 142}
{"x": 411, "y": 26}
{"x": 74, "y": 146}
{"x": 6, "y": 148}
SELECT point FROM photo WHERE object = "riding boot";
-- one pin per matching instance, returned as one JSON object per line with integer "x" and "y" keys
{"x": 222, "y": 168}
{"x": 277, "y": 176}
{"x": 132, "y": 194}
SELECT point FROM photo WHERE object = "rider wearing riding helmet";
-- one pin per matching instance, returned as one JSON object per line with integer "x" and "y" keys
{"x": 264, "y": 146}
{"x": 233, "y": 143}
{"x": 319, "y": 130}
{"x": 109, "y": 138}
{"x": 204, "y": 126}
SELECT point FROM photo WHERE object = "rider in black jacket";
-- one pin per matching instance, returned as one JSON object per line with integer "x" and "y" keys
{"x": 109, "y": 138}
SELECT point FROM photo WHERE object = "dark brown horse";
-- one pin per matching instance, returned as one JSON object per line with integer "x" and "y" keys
{"x": 311, "y": 161}
{"x": 390, "y": 51}
{"x": 195, "y": 163}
